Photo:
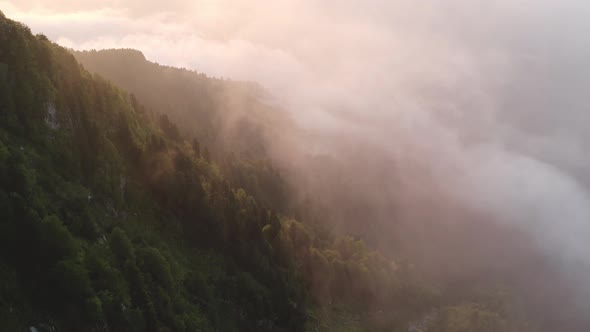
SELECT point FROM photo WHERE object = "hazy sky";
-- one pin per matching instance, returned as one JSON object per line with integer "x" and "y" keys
{"x": 489, "y": 96}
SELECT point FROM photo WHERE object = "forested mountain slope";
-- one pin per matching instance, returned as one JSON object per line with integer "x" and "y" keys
{"x": 222, "y": 114}
{"x": 111, "y": 220}
{"x": 108, "y": 223}
{"x": 228, "y": 120}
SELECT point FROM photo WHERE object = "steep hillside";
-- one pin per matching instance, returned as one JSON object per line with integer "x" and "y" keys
{"x": 227, "y": 119}
{"x": 112, "y": 219}
{"x": 110, "y": 224}
{"x": 222, "y": 114}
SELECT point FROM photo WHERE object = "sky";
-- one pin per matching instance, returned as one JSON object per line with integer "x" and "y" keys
{"x": 481, "y": 102}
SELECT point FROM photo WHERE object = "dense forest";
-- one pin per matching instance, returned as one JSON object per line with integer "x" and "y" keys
{"x": 224, "y": 115}
{"x": 229, "y": 121}
{"x": 146, "y": 212}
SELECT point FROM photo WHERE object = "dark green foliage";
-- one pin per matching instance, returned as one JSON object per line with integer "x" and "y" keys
{"x": 121, "y": 246}
{"x": 55, "y": 240}
{"x": 153, "y": 263}
{"x": 107, "y": 215}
